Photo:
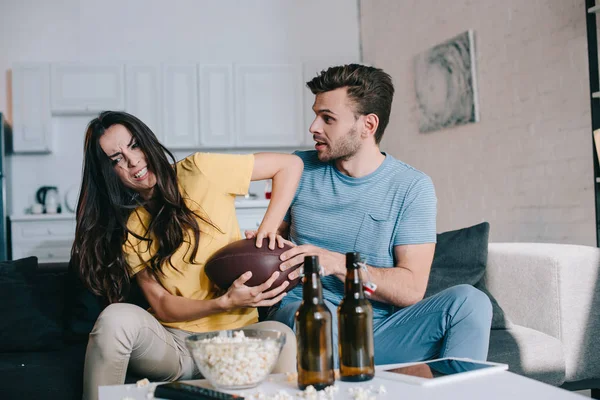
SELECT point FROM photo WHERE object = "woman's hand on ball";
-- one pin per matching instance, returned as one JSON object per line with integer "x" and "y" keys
{"x": 239, "y": 295}
{"x": 274, "y": 239}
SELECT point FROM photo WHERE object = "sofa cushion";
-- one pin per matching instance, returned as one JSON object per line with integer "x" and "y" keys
{"x": 460, "y": 258}
{"x": 32, "y": 307}
{"x": 43, "y": 375}
{"x": 529, "y": 352}
{"x": 82, "y": 307}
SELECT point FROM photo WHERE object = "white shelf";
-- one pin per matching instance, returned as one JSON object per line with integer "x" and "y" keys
{"x": 252, "y": 203}
{"x": 66, "y": 216}
{"x": 594, "y": 9}
{"x": 596, "y": 95}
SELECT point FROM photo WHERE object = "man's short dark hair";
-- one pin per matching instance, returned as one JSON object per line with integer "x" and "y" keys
{"x": 369, "y": 88}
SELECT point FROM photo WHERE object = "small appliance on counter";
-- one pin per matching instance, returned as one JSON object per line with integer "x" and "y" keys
{"x": 47, "y": 196}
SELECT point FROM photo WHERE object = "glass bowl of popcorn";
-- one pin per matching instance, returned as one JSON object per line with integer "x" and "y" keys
{"x": 236, "y": 359}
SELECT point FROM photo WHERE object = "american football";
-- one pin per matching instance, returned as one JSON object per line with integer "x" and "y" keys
{"x": 231, "y": 261}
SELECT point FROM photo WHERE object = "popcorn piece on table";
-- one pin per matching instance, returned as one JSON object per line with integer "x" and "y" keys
{"x": 142, "y": 382}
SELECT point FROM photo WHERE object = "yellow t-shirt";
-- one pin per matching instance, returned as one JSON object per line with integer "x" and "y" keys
{"x": 209, "y": 184}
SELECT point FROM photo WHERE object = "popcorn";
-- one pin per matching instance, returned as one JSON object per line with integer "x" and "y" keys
{"x": 142, "y": 382}
{"x": 360, "y": 393}
{"x": 236, "y": 361}
{"x": 370, "y": 393}
{"x": 310, "y": 393}
{"x": 291, "y": 376}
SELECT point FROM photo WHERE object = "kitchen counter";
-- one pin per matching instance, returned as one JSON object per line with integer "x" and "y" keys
{"x": 49, "y": 237}
{"x": 68, "y": 216}
{"x": 246, "y": 203}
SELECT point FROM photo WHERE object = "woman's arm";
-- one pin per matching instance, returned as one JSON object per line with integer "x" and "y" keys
{"x": 285, "y": 170}
{"x": 171, "y": 308}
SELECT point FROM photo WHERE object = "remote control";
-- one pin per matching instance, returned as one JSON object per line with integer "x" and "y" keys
{"x": 183, "y": 391}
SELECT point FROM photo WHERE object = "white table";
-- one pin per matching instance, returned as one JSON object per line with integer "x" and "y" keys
{"x": 503, "y": 385}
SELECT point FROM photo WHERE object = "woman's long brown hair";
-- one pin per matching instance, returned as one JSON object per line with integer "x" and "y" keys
{"x": 105, "y": 205}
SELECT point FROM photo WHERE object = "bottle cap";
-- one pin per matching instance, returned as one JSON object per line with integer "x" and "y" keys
{"x": 352, "y": 260}
{"x": 311, "y": 265}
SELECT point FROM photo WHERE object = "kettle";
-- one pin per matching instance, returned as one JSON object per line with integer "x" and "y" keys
{"x": 47, "y": 196}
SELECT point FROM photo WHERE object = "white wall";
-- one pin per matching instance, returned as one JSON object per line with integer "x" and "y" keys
{"x": 527, "y": 166}
{"x": 156, "y": 30}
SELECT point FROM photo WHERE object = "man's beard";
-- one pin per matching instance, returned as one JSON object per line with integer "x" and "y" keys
{"x": 345, "y": 149}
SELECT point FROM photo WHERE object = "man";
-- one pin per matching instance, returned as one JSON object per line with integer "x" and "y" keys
{"x": 352, "y": 197}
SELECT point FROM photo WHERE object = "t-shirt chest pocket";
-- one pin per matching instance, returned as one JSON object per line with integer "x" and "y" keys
{"x": 375, "y": 235}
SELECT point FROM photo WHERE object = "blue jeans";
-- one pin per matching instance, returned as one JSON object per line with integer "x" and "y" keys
{"x": 453, "y": 323}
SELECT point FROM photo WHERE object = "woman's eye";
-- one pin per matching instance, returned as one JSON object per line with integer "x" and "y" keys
{"x": 115, "y": 161}
{"x": 135, "y": 145}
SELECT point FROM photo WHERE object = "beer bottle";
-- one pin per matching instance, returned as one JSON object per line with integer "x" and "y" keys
{"x": 355, "y": 324}
{"x": 313, "y": 332}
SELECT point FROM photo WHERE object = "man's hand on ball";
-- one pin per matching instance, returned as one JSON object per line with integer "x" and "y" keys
{"x": 274, "y": 239}
{"x": 239, "y": 295}
{"x": 332, "y": 263}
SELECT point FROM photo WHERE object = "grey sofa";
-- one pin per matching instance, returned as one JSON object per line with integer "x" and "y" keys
{"x": 551, "y": 295}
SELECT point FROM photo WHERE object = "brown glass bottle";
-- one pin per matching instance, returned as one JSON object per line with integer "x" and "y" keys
{"x": 355, "y": 324}
{"x": 313, "y": 332}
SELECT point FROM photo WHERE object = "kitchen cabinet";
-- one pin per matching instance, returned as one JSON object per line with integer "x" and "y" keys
{"x": 143, "y": 94}
{"x": 268, "y": 103}
{"x": 217, "y": 122}
{"x": 250, "y": 213}
{"x": 180, "y": 106}
{"x": 50, "y": 237}
{"x": 188, "y": 106}
{"x": 83, "y": 89}
{"x": 32, "y": 131}
{"x": 47, "y": 237}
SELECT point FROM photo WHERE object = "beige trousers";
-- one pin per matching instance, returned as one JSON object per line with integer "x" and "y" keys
{"x": 127, "y": 338}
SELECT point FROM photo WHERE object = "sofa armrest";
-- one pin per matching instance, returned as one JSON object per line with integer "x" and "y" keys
{"x": 552, "y": 288}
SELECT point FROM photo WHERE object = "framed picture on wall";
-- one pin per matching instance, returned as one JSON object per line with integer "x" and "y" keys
{"x": 446, "y": 85}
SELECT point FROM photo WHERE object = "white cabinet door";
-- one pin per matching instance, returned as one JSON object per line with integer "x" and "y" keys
{"x": 50, "y": 241}
{"x": 217, "y": 122}
{"x": 250, "y": 218}
{"x": 180, "y": 107}
{"x": 78, "y": 89}
{"x": 143, "y": 94}
{"x": 269, "y": 105}
{"x": 31, "y": 108}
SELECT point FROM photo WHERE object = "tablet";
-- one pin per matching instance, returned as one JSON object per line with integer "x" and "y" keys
{"x": 442, "y": 370}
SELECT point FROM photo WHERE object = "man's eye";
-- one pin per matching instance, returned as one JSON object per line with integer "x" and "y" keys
{"x": 327, "y": 119}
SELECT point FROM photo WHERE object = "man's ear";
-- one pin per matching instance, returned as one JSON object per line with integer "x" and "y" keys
{"x": 370, "y": 124}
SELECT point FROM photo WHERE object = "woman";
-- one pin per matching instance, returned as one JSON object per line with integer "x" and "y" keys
{"x": 140, "y": 216}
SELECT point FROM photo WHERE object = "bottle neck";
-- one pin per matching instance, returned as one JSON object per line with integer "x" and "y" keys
{"x": 353, "y": 284}
{"x": 312, "y": 290}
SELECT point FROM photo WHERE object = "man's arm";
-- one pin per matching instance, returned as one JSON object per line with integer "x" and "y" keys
{"x": 401, "y": 286}
{"x": 405, "y": 284}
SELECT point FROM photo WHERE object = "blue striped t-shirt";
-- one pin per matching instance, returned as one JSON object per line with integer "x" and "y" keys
{"x": 394, "y": 205}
